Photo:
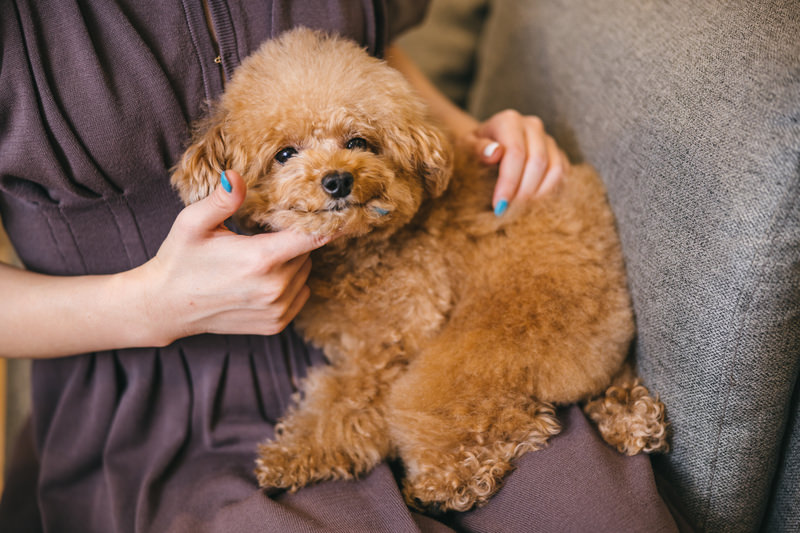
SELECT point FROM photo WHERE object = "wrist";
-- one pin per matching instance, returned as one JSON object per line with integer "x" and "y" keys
{"x": 147, "y": 319}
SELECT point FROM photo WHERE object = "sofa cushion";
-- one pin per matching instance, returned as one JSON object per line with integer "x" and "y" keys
{"x": 691, "y": 112}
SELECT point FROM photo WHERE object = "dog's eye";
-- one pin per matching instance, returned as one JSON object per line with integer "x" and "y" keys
{"x": 284, "y": 155}
{"x": 356, "y": 143}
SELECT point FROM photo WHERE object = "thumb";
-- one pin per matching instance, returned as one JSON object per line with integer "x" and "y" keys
{"x": 227, "y": 197}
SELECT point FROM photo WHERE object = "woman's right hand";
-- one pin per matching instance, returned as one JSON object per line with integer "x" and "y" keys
{"x": 207, "y": 279}
{"x": 204, "y": 279}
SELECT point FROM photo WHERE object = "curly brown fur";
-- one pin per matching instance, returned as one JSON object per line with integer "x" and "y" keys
{"x": 451, "y": 333}
{"x": 628, "y": 417}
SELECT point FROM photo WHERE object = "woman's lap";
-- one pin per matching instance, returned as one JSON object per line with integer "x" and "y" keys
{"x": 577, "y": 483}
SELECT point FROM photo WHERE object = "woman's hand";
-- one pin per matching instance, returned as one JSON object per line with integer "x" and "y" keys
{"x": 530, "y": 161}
{"x": 206, "y": 278}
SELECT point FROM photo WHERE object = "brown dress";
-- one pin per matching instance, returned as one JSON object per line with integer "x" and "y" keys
{"x": 96, "y": 99}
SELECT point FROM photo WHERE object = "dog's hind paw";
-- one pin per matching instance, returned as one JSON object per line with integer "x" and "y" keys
{"x": 277, "y": 468}
{"x": 630, "y": 420}
{"x": 455, "y": 469}
{"x": 438, "y": 490}
{"x": 459, "y": 481}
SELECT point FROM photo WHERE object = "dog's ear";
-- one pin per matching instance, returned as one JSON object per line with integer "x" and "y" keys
{"x": 198, "y": 171}
{"x": 425, "y": 150}
{"x": 434, "y": 158}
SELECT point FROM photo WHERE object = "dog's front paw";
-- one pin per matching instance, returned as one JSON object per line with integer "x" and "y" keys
{"x": 280, "y": 466}
{"x": 295, "y": 461}
{"x": 286, "y": 466}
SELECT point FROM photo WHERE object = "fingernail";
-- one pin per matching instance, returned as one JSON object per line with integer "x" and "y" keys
{"x": 501, "y": 207}
{"x": 490, "y": 149}
{"x": 225, "y": 183}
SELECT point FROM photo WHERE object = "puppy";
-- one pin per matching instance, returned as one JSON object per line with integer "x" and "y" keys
{"x": 451, "y": 333}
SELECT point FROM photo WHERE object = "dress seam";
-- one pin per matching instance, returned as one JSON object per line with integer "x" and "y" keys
{"x": 226, "y": 35}
{"x": 53, "y": 236}
{"x": 142, "y": 240}
{"x": 196, "y": 46}
{"x": 78, "y": 251}
{"x": 119, "y": 232}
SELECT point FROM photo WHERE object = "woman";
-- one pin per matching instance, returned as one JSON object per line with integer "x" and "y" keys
{"x": 154, "y": 427}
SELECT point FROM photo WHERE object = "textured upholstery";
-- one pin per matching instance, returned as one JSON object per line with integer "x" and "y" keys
{"x": 691, "y": 112}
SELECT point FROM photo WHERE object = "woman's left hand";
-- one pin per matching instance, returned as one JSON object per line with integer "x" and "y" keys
{"x": 531, "y": 163}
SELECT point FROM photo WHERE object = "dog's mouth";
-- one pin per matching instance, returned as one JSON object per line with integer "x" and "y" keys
{"x": 374, "y": 206}
{"x": 342, "y": 216}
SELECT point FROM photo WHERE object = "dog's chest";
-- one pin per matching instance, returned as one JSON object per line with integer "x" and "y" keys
{"x": 390, "y": 301}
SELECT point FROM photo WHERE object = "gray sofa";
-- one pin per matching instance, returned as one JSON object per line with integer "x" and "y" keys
{"x": 691, "y": 113}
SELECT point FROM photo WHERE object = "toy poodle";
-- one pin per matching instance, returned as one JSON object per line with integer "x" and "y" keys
{"x": 451, "y": 333}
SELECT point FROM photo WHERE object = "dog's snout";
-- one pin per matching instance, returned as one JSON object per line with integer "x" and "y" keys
{"x": 338, "y": 184}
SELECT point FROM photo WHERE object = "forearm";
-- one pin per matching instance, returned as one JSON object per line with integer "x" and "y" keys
{"x": 52, "y": 316}
{"x": 453, "y": 117}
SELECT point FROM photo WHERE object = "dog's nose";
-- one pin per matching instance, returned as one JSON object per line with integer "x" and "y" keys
{"x": 338, "y": 184}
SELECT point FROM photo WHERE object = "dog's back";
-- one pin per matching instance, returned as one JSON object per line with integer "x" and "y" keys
{"x": 545, "y": 282}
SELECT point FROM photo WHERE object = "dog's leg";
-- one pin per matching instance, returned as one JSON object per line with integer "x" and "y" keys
{"x": 458, "y": 433}
{"x": 628, "y": 417}
{"x": 444, "y": 474}
{"x": 337, "y": 431}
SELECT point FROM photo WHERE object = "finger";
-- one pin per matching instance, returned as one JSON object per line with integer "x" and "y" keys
{"x": 212, "y": 211}
{"x": 536, "y": 162}
{"x": 246, "y": 321}
{"x": 296, "y": 306}
{"x": 288, "y": 244}
{"x": 273, "y": 315}
{"x": 293, "y": 266}
{"x": 266, "y": 264}
{"x": 555, "y": 171}
{"x": 294, "y": 286}
{"x": 508, "y": 133}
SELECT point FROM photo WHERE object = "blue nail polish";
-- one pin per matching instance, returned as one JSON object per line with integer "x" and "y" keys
{"x": 225, "y": 183}
{"x": 501, "y": 207}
